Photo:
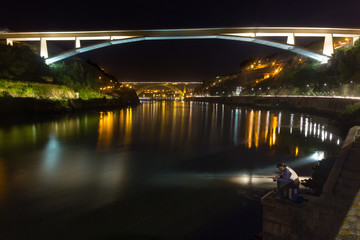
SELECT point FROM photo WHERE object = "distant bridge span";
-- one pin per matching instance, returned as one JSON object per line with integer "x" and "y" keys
{"x": 244, "y": 34}
{"x": 142, "y": 86}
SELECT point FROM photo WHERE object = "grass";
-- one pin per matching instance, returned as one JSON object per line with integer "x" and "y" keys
{"x": 43, "y": 90}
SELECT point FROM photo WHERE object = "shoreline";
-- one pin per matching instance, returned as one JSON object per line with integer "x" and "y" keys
{"x": 19, "y": 110}
{"x": 21, "y": 106}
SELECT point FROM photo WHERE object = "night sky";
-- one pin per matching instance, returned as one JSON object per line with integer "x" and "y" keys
{"x": 175, "y": 60}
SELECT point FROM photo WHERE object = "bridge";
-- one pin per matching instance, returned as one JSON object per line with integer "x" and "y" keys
{"x": 244, "y": 34}
{"x": 179, "y": 88}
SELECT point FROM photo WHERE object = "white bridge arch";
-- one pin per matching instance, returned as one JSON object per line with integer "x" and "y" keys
{"x": 245, "y": 34}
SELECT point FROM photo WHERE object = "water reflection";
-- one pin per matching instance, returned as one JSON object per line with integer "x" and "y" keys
{"x": 164, "y": 131}
{"x": 51, "y": 156}
{"x": 3, "y": 181}
{"x": 171, "y": 124}
{"x": 81, "y": 162}
{"x": 106, "y": 130}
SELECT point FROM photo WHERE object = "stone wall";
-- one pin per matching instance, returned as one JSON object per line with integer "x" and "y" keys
{"x": 322, "y": 217}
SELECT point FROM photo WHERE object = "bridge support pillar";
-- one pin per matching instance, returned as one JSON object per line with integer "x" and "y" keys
{"x": 43, "y": 48}
{"x": 328, "y": 49}
{"x": 9, "y": 42}
{"x": 291, "y": 39}
{"x": 355, "y": 39}
{"x": 77, "y": 43}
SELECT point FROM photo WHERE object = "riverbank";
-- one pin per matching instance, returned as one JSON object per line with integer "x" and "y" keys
{"x": 9, "y": 105}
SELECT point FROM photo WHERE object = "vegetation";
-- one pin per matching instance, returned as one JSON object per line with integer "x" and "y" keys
{"x": 288, "y": 74}
{"x": 23, "y": 73}
{"x": 74, "y": 75}
{"x": 10, "y": 88}
{"x": 20, "y": 62}
{"x": 344, "y": 70}
{"x": 350, "y": 117}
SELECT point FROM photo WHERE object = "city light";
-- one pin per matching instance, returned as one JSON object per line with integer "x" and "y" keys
{"x": 318, "y": 155}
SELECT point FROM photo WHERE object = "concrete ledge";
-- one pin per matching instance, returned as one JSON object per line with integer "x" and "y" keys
{"x": 321, "y": 217}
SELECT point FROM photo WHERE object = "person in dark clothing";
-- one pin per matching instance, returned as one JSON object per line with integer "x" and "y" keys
{"x": 288, "y": 179}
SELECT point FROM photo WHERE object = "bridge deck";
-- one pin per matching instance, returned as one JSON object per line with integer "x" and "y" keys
{"x": 265, "y": 31}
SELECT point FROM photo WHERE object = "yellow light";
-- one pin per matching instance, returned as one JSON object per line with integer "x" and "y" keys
{"x": 106, "y": 130}
{"x": 296, "y": 151}
{"x": 250, "y": 123}
{"x": 257, "y": 128}
{"x": 273, "y": 124}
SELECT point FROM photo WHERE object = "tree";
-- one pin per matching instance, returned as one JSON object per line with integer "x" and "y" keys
{"x": 21, "y": 63}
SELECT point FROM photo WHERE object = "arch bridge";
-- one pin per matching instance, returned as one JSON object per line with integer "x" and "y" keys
{"x": 244, "y": 34}
{"x": 179, "y": 87}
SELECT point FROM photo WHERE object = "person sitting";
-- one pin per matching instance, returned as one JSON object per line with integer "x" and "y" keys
{"x": 287, "y": 180}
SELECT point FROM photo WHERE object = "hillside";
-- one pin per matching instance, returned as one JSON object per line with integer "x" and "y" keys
{"x": 288, "y": 73}
{"x": 23, "y": 73}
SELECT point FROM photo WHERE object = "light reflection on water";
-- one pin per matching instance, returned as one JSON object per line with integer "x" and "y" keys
{"x": 83, "y": 162}
{"x": 183, "y": 126}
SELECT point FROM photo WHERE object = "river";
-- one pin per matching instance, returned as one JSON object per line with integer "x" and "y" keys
{"x": 161, "y": 170}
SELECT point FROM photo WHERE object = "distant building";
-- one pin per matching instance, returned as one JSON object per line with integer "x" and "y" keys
{"x": 4, "y": 30}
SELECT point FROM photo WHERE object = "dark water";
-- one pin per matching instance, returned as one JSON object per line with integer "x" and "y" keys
{"x": 162, "y": 170}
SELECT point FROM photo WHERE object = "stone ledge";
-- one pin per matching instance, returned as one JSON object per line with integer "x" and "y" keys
{"x": 322, "y": 217}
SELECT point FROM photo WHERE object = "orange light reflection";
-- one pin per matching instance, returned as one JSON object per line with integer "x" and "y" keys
{"x": 106, "y": 130}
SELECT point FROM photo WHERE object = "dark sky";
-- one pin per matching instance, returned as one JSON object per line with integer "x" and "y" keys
{"x": 187, "y": 60}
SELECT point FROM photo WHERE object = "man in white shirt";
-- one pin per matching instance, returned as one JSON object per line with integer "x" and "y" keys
{"x": 287, "y": 179}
